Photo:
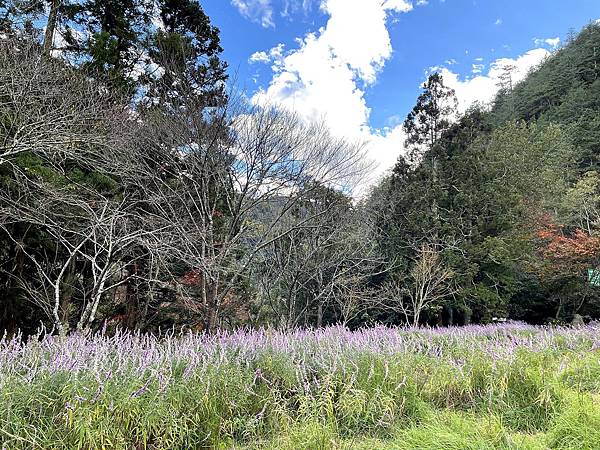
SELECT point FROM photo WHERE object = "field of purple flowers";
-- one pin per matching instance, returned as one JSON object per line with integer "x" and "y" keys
{"x": 508, "y": 386}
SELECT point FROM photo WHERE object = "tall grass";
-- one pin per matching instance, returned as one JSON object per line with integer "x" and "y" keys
{"x": 496, "y": 387}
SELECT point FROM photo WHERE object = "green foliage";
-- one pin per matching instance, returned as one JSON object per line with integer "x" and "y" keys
{"x": 485, "y": 184}
{"x": 115, "y": 40}
{"x": 486, "y": 197}
{"x": 430, "y": 117}
{"x": 188, "y": 50}
{"x": 563, "y": 90}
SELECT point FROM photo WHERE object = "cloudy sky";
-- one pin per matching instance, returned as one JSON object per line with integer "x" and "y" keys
{"x": 358, "y": 64}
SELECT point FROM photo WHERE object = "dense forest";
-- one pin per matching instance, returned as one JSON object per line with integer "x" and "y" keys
{"x": 137, "y": 190}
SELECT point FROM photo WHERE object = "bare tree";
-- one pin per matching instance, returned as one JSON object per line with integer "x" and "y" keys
{"x": 230, "y": 179}
{"x": 89, "y": 233}
{"x": 193, "y": 189}
{"x": 429, "y": 282}
{"x": 52, "y": 111}
{"x": 60, "y": 134}
{"x": 355, "y": 297}
{"x": 324, "y": 268}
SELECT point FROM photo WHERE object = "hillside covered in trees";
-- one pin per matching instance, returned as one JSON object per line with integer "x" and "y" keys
{"x": 507, "y": 194}
{"x": 137, "y": 191}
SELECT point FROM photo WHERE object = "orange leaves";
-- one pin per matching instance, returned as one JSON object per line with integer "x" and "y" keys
{"x": 561, "y": 247}
{"x": 192, "y": 277}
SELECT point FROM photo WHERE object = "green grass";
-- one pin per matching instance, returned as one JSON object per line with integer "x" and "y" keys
{"x": 544, "y": 398}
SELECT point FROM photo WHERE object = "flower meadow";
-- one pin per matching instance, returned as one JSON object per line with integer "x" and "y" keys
{"x": 509, "y": 386}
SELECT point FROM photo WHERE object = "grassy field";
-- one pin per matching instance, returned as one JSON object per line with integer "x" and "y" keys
{"x": 480, "y": 387}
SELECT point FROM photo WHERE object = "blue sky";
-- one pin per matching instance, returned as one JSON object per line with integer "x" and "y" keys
{"x": 358, "y": 64}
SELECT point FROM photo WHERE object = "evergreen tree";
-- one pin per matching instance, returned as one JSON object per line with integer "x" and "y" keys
{"x": 185, "y": 51}
{"x": 430, "y": 117}
{"x": 145, "y": 48}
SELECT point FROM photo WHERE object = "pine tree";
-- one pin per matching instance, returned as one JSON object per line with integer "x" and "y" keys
{"x": 424, "y": 126}
{"x": 186, "y": 51}
{"x": 430, "y": 117}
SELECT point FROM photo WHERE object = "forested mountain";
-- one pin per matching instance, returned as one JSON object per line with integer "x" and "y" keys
{"x": 135, "y": 192}
{"x": 564, "y": 90}
{"x": 508, "y": 194}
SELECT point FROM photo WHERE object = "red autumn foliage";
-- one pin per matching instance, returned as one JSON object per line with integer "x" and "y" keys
{"x": 575, "y": 248}
{"x": 120, "y": 318}
{"x": 192, "y": 277}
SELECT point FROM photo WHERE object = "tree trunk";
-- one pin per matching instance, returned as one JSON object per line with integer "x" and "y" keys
{"x": 133, "y": 313}
{"x": 320, "y": 315}
{"x": 51, "y": 26}
{"x": 212, "y": 309}
{"x": 11, "y": 304}
{"x": 211, "y": 319}
{"x": 467, "y": 316}
{"x": 449, "y": 316}
{"x": 67, "y": 294}
{"x": 434, "y": 205}
{"x": 559, "y": 309}
{"x": 416, "y": 318}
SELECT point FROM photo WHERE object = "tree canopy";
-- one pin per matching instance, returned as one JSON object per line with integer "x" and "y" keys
{"x": 135, "y": 192}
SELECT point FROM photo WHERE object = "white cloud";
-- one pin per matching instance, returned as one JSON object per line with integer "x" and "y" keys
{"x": 386, "y": 146}
{"x": 478, "y": 68}
{"x": 324, "y": 79}
{"x": 260, "y": 11}
{"x": 274, "y": 55}
{"x": 260, "y": 57}
{"x": 366, "y": 51}
{"x": 483, "y": 88}
{"x": 397, "y": 5}
{"x": 291, "y": 7}
{"x": 394, "y": 121}
{"x": 553, "y": 43}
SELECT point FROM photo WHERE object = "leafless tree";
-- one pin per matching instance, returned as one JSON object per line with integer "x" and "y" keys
{"x": 329, "y": 266}
{"x": 90, "y": 233}
{"x": 429, "y": 282}
{"x": 50, "y": 110}
{"x": 228, "y": 182}
{"x": 57, "y": 126}
{"x": 189, "y": 189}
{"x": 355, "y": 297}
